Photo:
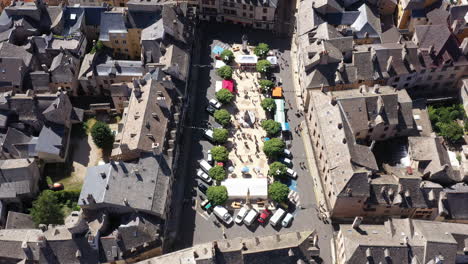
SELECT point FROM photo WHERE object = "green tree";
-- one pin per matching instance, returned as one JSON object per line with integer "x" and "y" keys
{"x": 278, "y": 192}
{"x": 273, "y": 147}
{"x": 47, "y": 209}
{"x": 268, "y": 104}
{"x": 223, "y": 117}
{"x": 218, "y": 195}
{"x": 271, "y": 127}
{"x": 217, "y": 173}
{"x": 97, "y": 47}
{"x": 225, "y": 72}
{"x": 266, "y": 85}
{"x": 277, "y": 170}
{"x": 261, "y": 50}
{"x": 451, "y": 131}
{"x": 220, "y": 153}
{"x": 224, "y": 96}
{"x": 227, "y": 56}
{"x": 263, "y": 66}
{"x": 220, "y": 135}
{"x": 102, "y": 135}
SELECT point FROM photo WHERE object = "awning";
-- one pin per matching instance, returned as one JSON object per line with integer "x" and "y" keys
{"x": 277, "y": 92}
{"x": 219, "y": 64}
{"x": 217, "y": 50}
{"x": 285, "y": 126}
{"x": 246, "y": 59}
{"x": 279, "y": 104}
{"x": 273, "y": 60}
{"x": 229, "y": 85}
{"x": 237, "y": 188}
{"x": 218, "y": 86}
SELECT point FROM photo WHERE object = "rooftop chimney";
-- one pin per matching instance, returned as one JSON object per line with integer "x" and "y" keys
{"x": 357, "y": 221}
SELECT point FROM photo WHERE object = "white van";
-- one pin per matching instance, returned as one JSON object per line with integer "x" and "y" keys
{"x": 277, "y": 216}
{"x": 241, "y": 214}
{"x": 287, "y": 220}
{"x": 204, "y": 176}
{"x": 205, "y": 165}
{"x": 251, "y": 217}
{"x": 291, "y": 173}
{"x": 223, "y": 214}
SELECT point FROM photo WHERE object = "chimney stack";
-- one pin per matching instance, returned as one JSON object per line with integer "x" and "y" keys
{"x": 357, "y": 221}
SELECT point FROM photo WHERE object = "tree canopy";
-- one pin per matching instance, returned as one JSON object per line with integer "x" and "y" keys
{"x": 266, "y": 85}
{"x": 278, "y": 192}
{"x": 273, "y": 147}
{"x": 223, "y": 117}
{"x": 220, "y": 135}
{"x": 47, "y": 209}
{"x": 263, "y": 66}
{"x": 102, "y": 135}
{"x": 218, "y": 195}
{"x": 444, "y": 121}
{"x": 261, "y": 50}
{"x": 271, "y": 127}
{"x": 217, "y": 173}
{"x": 268, "y": 104}
{"x": 224, "y": 96}
{"x": 227, "y": 56}
{"x": 277, "y": 170}
{"x": 225, "y": 72}
{"x": 220, "y": 153}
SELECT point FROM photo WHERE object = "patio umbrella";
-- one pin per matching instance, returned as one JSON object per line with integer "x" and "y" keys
{"x": 245, "y": 169}
{"x": 217, "y": 50}
{"x": 231, "y": 169}
{"x": 257, "y": 169}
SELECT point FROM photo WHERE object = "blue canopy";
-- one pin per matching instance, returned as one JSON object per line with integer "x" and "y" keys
{"x": 285, "y": 126}
{"x": 245, "y": 169}
{"x": 217, "y": 50}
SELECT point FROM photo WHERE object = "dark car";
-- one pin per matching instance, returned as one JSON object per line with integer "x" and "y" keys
{"x": 202, "y": 187}
{"x": 210, "y": 109}
{"x": 264, "y": 216}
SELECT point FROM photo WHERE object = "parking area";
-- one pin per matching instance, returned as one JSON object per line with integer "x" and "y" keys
{"x": 199, "y": 225}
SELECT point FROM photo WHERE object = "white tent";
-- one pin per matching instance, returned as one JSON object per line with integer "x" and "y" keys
{"x": 246, "y": 59}
{"x": 219, "y": 64}
{"x": 218, "y": 85}
{"x": 237, "y": 188}
{"x": 273, "y": 60}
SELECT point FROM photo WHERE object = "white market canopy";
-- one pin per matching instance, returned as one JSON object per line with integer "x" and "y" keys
{"x": 219, "y": 64}
{"x": 246, "y": 59}
{"x": 272, "y": 59}
{"x": 237, "y": 188}
{"x": 218, "y": 86}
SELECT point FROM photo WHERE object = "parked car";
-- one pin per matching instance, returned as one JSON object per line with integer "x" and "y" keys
{"x": 209, "y": 157}
{"x": 277, "y": 216}
{"x": 291, "y": 173}
{"x": 287, "y": 220}
{"x": 210, "y": 109}
{"x": 205, "y": 165}
{"x": 286, "y": 162}
{"x": 202, "y": 175}
{"x": 223, "y": 214}
{"x": 287, "y": 153}
{"x": 206, "y": 205}
{"x": 202, "y": 187}
{"x": 215, "y": 103}
{"x": 208, "y": 134}
{"x": 241, "y": 215}
{"x": 264, "y": 216}
{"x": 250, "y": 217}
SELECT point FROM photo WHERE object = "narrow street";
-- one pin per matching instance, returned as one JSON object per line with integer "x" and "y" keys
{"x": 197, "y": 226}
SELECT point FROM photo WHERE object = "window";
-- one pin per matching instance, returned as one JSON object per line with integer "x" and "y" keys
{"x": 251, "y": 15}
{"x": 429, "y": 78}
{"x": 452, "y": 75}
{"x": 124, "y": 41}
{"x": 397, "y": 79}
{"x": 386, "y": 128}
{"x": 244, "y": 14}
{"x": 439, "y": 77}
{"x": 126, "y": 50}
{"x": 264, "y": 18}
{"x": 105, "y": 81}
{"x": 251, "y": 8}
{"x": 264, "y": 10}
{"x": 116, "y": 41}
{"x": 244, "y": 7}
{"x": 409, "y": 78}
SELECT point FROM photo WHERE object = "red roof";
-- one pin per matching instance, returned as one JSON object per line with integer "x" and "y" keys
{"x": 228, "y": 84}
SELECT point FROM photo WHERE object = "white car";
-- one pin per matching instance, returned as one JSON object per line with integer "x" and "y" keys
{"x": 287, "y": 220}
{"x": 209, "y": 157}
{"x": 215, "y": 104}
{"x": 202, "y": 175}
{"x": 291, "y": 173}
{"x": 287, "y": 153}
{"x": 286, "y": 161}
{"x": 241, "y": 215}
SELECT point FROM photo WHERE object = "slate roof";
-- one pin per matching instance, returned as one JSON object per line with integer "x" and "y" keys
{"x": 17, "y": 220}
{"x": 438, "y": 16}
{"x": 144, "y": 185}
{"x": 367, "y": 23}
{"x": 12, "y": 139}
{"x": 52, "y": 140}
{"x": 141, "y": 19}
{"x": 92, "y": 14}
{"x": 8, "y": 50}
{"x": 307, "y": 18}
{"x": 432, "y": 35}
{"x": 120, "y": 67}
{"x": 111, "y": 22}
